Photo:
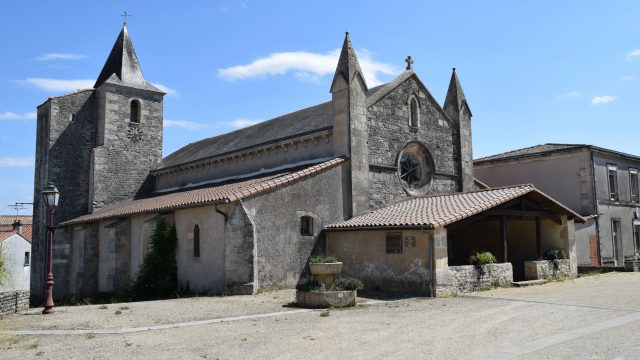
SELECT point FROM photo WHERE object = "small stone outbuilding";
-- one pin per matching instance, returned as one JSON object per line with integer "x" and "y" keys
{"x": 422, "y": 245}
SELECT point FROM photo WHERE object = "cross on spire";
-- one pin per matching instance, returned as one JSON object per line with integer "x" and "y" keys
{"x": 125, "y": 17}
{"x": 409, "y": 62}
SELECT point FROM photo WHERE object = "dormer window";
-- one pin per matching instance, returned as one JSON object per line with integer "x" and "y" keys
{"x": 135, "y": 114}
{"x": 414, "y": 115}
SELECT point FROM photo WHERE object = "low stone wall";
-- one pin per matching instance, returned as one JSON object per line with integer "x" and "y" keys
{"x": 12, "y": 302}
{"x": 546, "y": 269}
{"x": 468, "y": 278}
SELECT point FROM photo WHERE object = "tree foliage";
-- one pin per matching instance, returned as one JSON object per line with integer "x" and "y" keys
{"x": 158, "y": 274}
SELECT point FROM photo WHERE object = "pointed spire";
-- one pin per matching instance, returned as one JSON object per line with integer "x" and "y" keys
{"x": 455, "y": 96}
{"x": 122, "y": 62}
{"x": 348, "y": 65}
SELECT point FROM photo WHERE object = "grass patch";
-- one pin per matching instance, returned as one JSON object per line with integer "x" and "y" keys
{"x": 103, "y": 307}
{"x": 325, "y": 313}
{"x": 123, "y": 308}
{"x": 40, "y": 353}
{"x": 118, "y": 312}
{"x": 33, "y": 346}
{"x": 91, "y": 336}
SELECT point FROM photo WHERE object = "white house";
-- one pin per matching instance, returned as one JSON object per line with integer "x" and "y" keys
{"x": 15, "y": 243}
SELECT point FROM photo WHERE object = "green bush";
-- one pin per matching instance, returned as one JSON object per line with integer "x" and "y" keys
{"x": 308, "y": 284}
{"x": 481, "y": 258}
{"x": 323, "y": 259}
{"x": 347, "y": 283}
{"x": 555, "y": 254}
{"x": 158, "y": 275}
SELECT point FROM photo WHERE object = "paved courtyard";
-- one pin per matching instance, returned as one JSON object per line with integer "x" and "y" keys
{"x": 595, "y": 317}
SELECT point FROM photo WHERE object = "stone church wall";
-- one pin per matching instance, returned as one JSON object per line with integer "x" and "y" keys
{"x": 206, "y": 272}
{"x": 239, "y": 248}
{"x": 389, "y": 132}
{"x": 65, "y": 137}
{"x": 282, "y": 252}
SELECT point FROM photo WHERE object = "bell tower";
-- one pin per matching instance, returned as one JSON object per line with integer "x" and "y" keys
{"x": 129, "y": 128}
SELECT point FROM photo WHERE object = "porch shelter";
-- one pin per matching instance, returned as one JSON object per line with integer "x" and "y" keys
{"x": 515, "y": 223}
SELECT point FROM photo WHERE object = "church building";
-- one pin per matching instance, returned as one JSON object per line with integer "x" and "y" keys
{"x": 251, "y": 206}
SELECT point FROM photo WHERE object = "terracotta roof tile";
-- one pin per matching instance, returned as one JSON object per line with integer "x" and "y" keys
{"x": 442, "y": 210}
{"x": 227, "y": 192}
{"x": 10, "y": 219}
{"x": 6, "y": 231}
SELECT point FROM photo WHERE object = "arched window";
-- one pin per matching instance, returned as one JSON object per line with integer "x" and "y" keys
{"x": 196, "y": 241}
{"x": 413, "y": 112}
{"x": 134, "y": 115}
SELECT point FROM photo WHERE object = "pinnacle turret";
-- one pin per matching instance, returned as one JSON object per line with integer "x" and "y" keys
{"x": 348, "y": 65}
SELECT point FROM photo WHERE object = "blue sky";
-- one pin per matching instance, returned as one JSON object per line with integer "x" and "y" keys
{"x": 533, "y": 71}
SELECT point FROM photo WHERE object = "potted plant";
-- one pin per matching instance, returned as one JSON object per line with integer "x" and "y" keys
{"x": 479, "y": 259}
{"x": 325, "y": 288}
{"x": 325, "y": 268}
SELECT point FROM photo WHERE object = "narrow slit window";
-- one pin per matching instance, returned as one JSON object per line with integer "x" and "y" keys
{"x": 196, "y": 241}
{"x": 134, "y": 115}
{"x": 413, "y": 113}
{"x": 27, "y": 258}
{"x": 306, "y": 226}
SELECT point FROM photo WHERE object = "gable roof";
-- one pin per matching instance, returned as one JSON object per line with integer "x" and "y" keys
{"x": 306, "y": 121}
{"x": 438, "y": 211}
{"x": 223, "y": 193}
{"x": 548, "y": 149}
{"x": 10, "y": 219}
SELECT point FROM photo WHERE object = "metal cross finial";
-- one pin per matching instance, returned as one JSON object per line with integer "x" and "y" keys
{"x": 409, "y": 61}
{"x": 125, "y": 17}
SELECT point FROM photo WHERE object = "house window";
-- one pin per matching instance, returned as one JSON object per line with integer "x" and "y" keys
{"x": 633, "y": 183}
{"x": 394, "y": 243}
{"x": 134, "y": 115}
{"x": 612, "y": 172}
{"x": 196, "y": 241}
{"x": 27, "y": 258}
{"x": 413, "y": 112}
{"x": 306, "y": 226}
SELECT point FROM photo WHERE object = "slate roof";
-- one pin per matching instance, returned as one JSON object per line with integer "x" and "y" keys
{"x": 6, "y": 226}
{"x": 306, "y": 121}
{"x": 438, "y": 211}
{"x": 547, "y": 149}
{"x": 531, "y": 151}
{"x": 223, "y": 193}
{"x": 122, "y": 65}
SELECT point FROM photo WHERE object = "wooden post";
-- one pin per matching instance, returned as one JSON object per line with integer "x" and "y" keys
{"x": 503, "y": 236}
{"x": 539, "y": 236}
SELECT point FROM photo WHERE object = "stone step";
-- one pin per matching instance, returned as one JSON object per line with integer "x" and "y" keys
{"x": 241, "y": 289}
{"x": 530, "y": 282}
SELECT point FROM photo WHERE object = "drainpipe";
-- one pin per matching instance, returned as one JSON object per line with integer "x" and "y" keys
{"x": 226, "y": 217}
{"x": 595, "y": 204}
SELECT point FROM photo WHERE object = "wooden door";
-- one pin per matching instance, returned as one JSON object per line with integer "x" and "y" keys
{"x": 593, "y": 246}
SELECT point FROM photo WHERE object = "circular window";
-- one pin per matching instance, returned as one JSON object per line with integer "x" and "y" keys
{"x": 415, "y": 168}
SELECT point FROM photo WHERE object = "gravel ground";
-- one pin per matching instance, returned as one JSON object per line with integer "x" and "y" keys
{"x": 596, "y": 317}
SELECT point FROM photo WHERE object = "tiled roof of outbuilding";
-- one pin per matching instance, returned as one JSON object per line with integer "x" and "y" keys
{"x": 438, "y": 211}
{"x": 226, "y": 192}
{"x": 10, "y": 219}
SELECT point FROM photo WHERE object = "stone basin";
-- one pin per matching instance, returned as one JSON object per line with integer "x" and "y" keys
{"x": 325, "y": 299}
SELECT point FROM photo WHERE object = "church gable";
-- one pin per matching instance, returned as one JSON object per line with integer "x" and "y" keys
{"x": 424, "y": 134}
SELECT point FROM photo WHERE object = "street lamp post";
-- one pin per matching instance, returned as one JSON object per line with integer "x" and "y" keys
{"x": 51, "y": 196}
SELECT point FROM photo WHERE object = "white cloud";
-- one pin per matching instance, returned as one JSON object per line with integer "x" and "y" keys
{"x": 627, "y": 77}
{"x": 9, "y": 115}
{"x": 166, "y": 89}
{"x": 569, "y": 95}
{"x": 633, "y": 55}
{"x": 185, "y": 124}
{"x": 8, "y": 161}
{"x": 59, "y": 56}
{"x": 305, "y": 66}
{"x": 598, "y": 100}
{"x": 240, "y": 123}
{"x": 58, "y": 84}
